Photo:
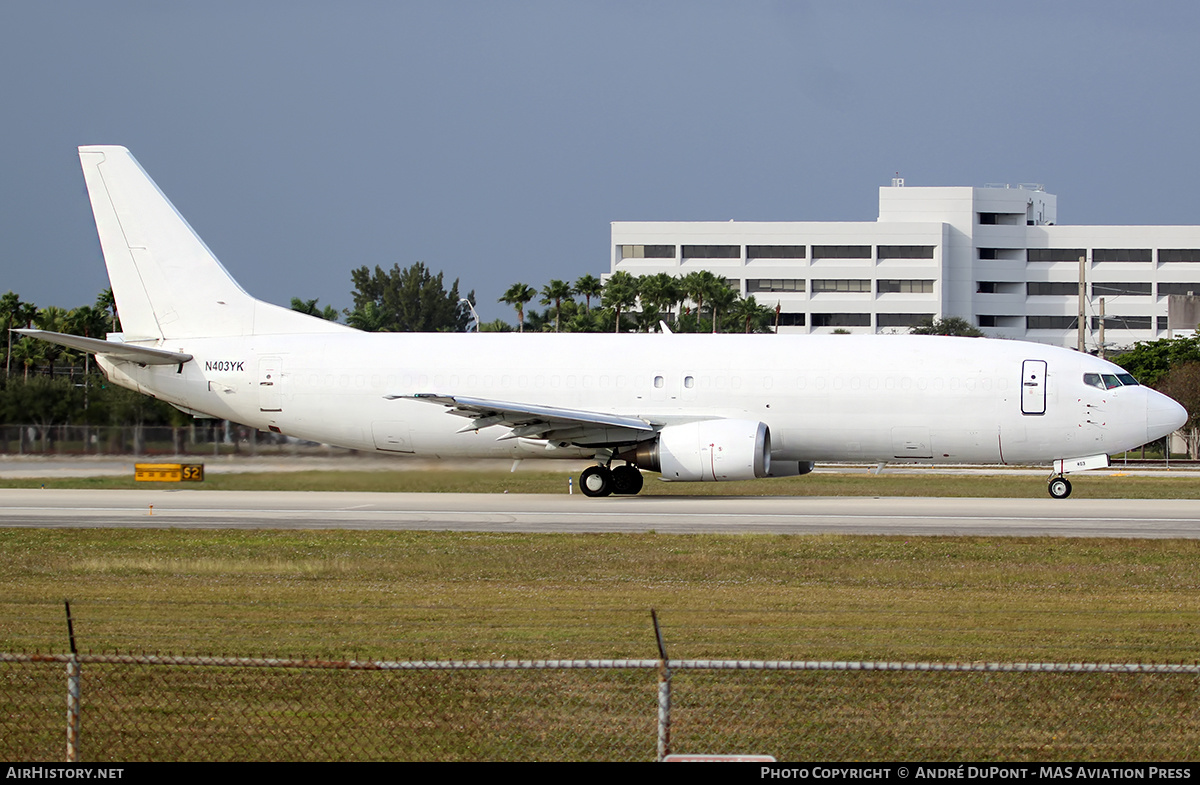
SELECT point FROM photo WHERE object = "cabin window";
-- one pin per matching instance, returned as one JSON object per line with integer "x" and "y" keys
{"x": 689, "y": 382}
{"x": 659, "y": 382}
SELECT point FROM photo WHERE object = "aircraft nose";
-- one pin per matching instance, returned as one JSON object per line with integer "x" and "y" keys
{"x": 1163, "y": 416}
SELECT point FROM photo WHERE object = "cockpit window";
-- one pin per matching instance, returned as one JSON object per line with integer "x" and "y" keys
{"x": 1108, "y": 381}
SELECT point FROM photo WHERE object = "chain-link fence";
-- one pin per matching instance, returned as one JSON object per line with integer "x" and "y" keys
{"x": 129, "y": 708}
{"x": 208, "y": 437}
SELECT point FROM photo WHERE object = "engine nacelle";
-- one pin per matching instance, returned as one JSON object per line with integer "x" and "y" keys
{"x": 790, "y": 468}
{"x": 707, "y": 451}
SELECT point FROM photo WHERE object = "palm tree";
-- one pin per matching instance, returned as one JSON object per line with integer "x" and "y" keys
{"x": 697, "y": 286}
{"x": 620, "y": 292}
{"x": 28, "y": 351}
{"x": 13, "y": 312}
{"x": 310, "y": 307}
{"x": 369, "y": 317}
{"x": 658, "y": 292}
{"x": 517, "y": 295}
{"x": 753, "y": 315}
{"x": 53, "y": 319}
{"x": 90, "y": 323}
{"x": 721, "y": 298}
{"x": 107, "y": 303}
{"x": 588, "y": 286}
{"x": 555, "y": 292}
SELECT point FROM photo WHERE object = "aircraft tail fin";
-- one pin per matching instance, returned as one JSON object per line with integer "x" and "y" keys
{"x": 166, "y": 282}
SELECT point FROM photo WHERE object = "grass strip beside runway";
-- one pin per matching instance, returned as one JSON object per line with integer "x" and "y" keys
{"x": 431, "y": 595}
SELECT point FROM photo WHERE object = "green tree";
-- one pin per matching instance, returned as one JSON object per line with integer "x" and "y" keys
{"x": 27, "y": 352}
{"x": 496, "y": 326}
{"x": 620, "y": 293}
{"x": 950, "y": 325}
{"x": 90, "y": 323}
{"x": 1151, "y": 361}
{"x": 309, "y": 307}
{"x": 15, "y": 314}
{"x": 752, "y": 316}
{"x": 586, "y": 321}
{"x": 517, "y": 296}
{"x": 721, "y": 299}
{"x": 369, "y": 317}
{"x": 106, "y": 301}
{"x": 42, "y": 401}
{"x": 698, "y": 286}
{"x": 554, "y": 293}
{"x": 53, "y": 319}
{"x": 658, "y": 293}
{"x": 1182, "y": 383}
{"x": 410, "y": 300}
{"x": 587, "y": 287}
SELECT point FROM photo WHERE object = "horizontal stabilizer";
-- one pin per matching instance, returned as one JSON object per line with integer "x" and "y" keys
{"x": 143, "y": 355}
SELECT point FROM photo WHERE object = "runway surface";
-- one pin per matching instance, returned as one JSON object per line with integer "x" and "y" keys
{"x": 547, "y": 513}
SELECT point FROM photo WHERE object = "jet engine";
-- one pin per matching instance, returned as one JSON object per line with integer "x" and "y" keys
{"x": 706, "y": 451}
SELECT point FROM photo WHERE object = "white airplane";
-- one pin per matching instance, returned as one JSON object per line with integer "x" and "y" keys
{"x": 694, "y": 408}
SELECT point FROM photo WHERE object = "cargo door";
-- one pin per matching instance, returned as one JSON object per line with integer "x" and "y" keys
{"x": 270, "y": 392}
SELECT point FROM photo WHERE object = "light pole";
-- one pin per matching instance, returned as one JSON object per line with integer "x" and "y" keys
{"x": 474, "y": 315}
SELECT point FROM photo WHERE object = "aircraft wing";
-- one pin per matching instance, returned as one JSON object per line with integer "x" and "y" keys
{"x": 143, "y": 355}
{"x": 539, "y": 422}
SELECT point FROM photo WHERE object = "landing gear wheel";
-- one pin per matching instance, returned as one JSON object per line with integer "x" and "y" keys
{"x": 596, "y": 481}
{"x": 627, "y": 480}
{"x": 1060, "y": 487}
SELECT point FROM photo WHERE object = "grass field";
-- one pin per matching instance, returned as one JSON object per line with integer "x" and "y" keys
{"x": 427, "y": 595}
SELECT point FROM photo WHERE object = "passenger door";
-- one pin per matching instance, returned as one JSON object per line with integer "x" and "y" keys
{"x": 1033, "y": 387}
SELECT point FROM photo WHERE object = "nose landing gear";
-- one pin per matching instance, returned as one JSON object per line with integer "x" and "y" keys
{"x": 1060, "y": 487}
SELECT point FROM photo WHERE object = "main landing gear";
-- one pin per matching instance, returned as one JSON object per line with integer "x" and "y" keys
{"x": 1060, "y": 487}
{"x": 624, "y": 480}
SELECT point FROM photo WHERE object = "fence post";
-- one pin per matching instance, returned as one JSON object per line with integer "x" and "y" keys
{"x": 73, "y": 680}
{"x": 664, "y": 694}
{"x": 73, "y": 710}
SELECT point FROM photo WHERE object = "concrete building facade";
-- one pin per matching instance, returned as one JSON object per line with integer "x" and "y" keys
{"x": 994, "y": 256}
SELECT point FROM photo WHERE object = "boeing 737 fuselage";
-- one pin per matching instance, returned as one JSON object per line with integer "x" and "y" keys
{"x": 691, "y": 407}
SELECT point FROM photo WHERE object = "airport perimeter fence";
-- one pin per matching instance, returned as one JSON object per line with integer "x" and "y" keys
{"x": 206, "y": 438}
{"x": 133, "y": 707}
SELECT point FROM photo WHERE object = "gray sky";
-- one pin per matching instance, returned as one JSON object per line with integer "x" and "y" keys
{"x": 497, "y": 140}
